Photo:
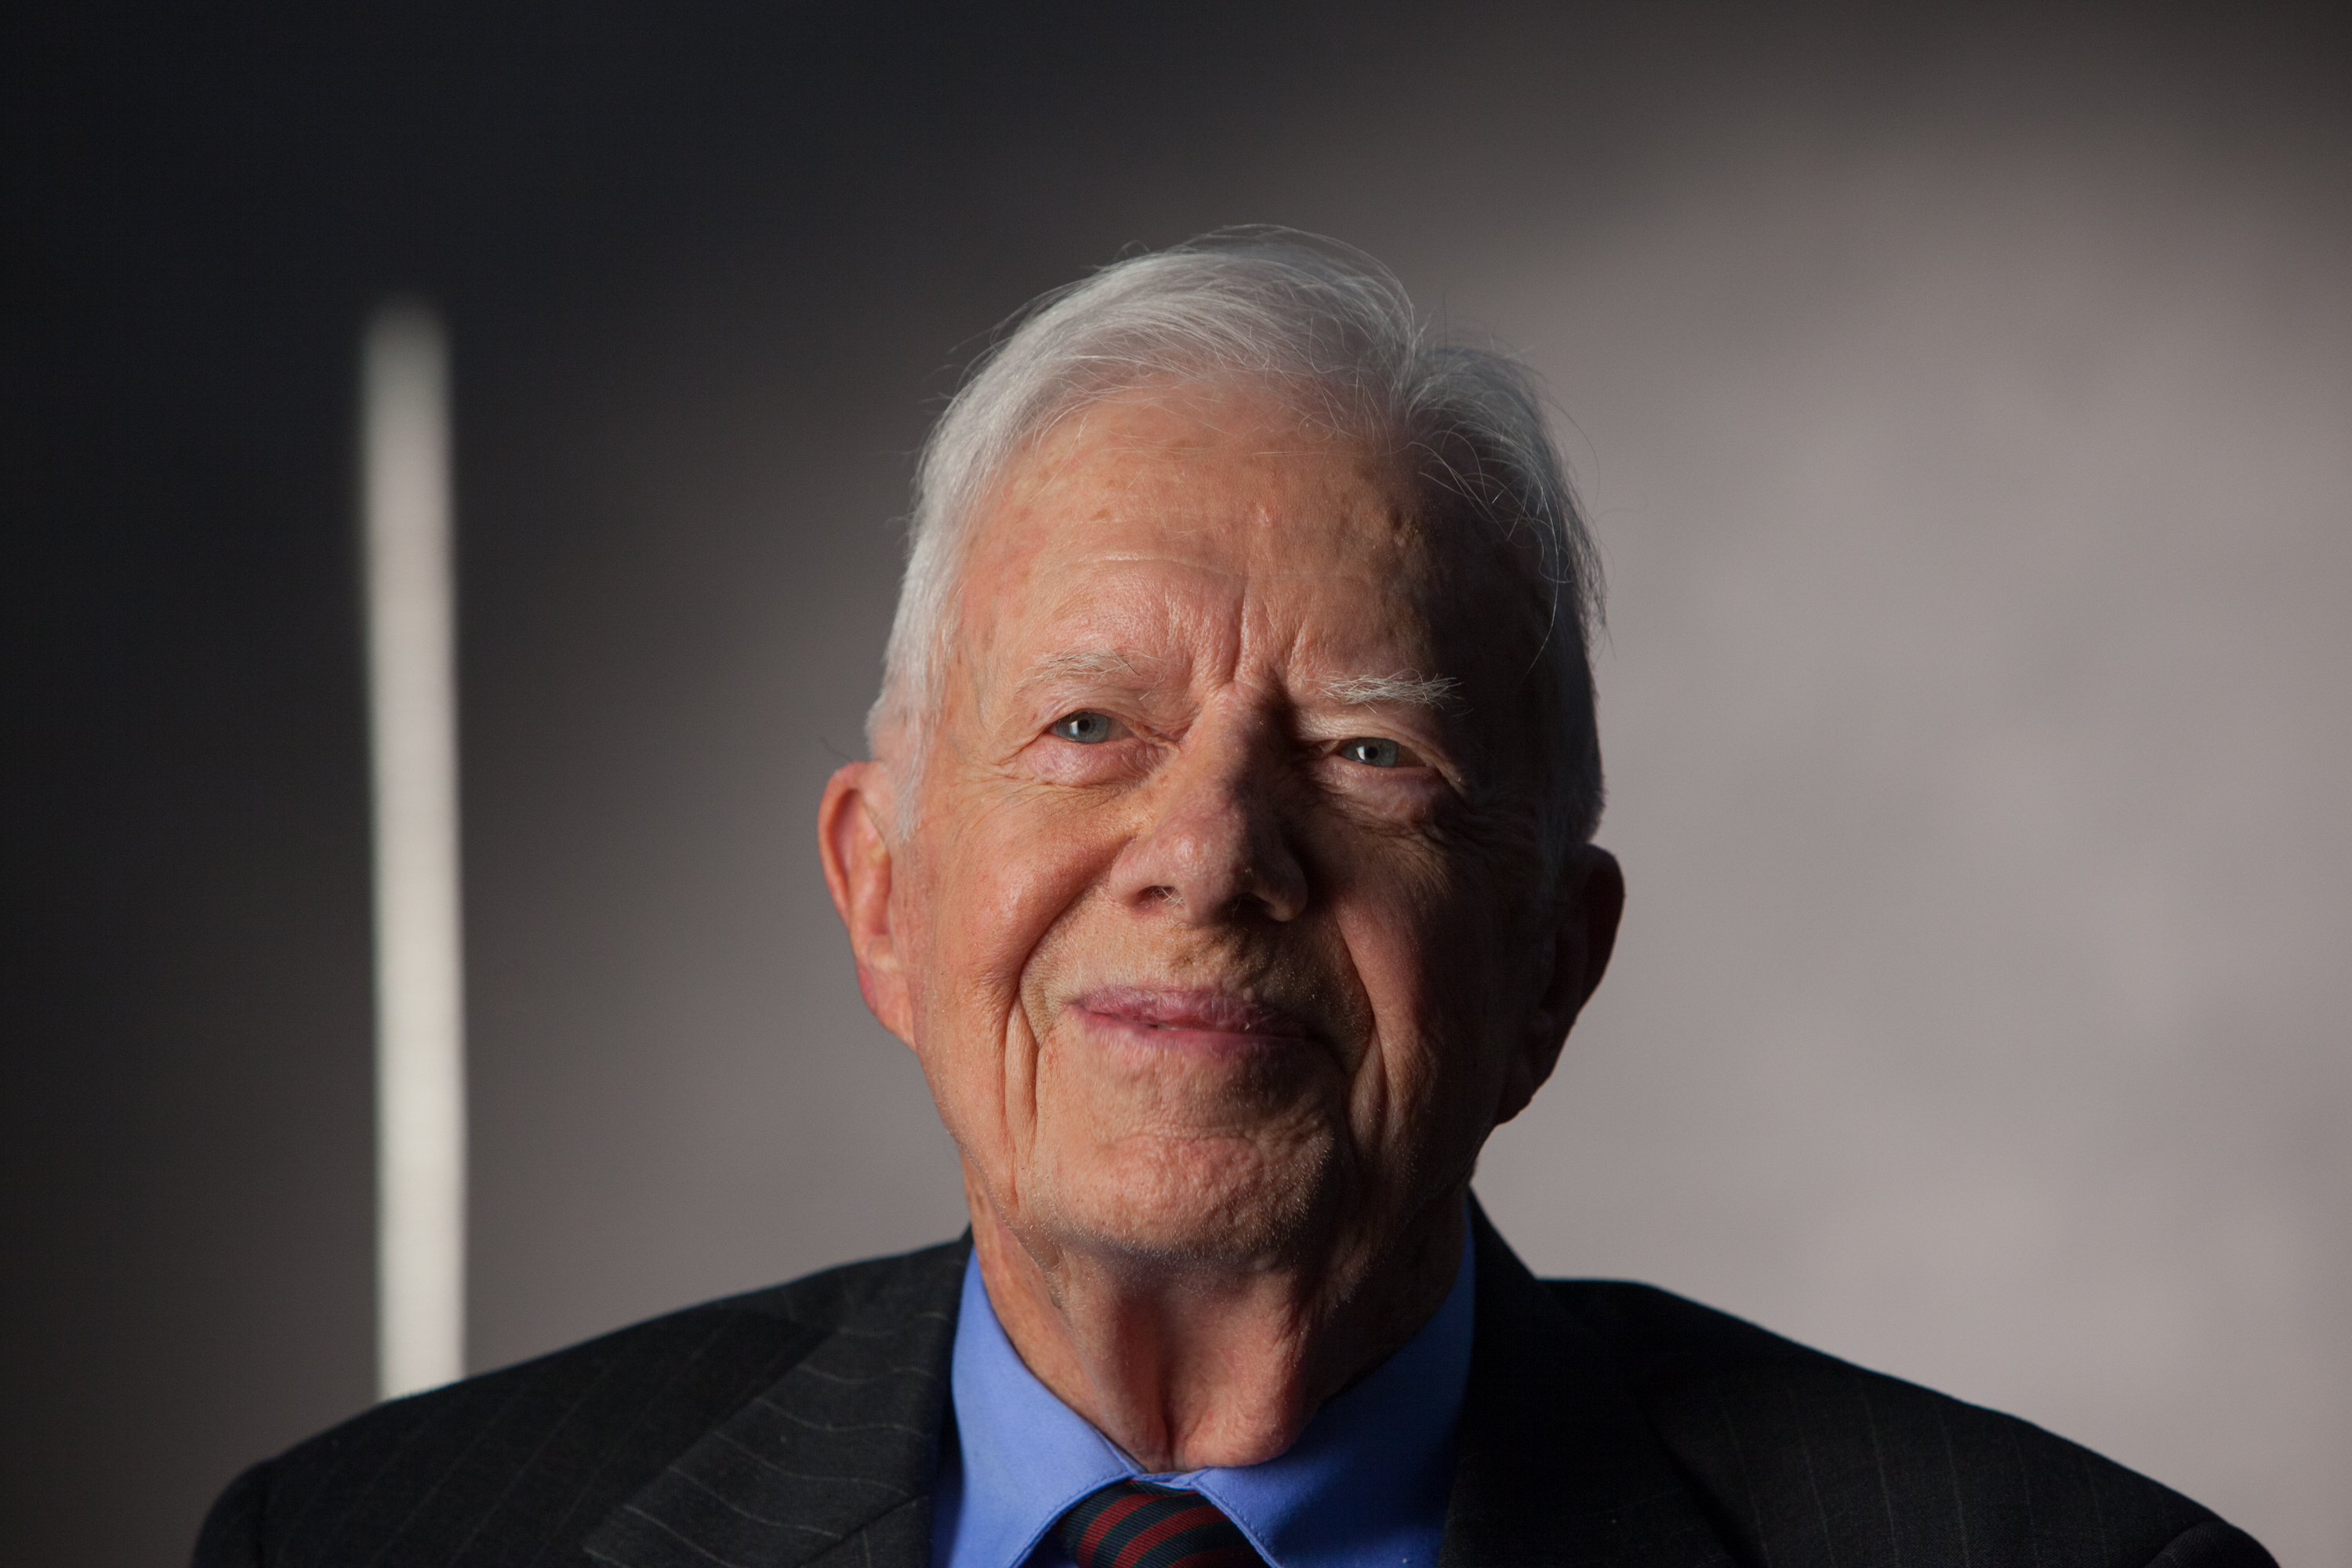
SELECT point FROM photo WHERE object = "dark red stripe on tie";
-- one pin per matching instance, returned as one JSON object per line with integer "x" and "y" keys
{"x": 1133, "y": 1524}
{"x": 1116, "y": 1509}
{"x": 1199, "y": 1512}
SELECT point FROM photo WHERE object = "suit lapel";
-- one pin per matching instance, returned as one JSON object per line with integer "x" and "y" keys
{"x": 1557, "y": 1464}
{"x": 832, "y": 1465}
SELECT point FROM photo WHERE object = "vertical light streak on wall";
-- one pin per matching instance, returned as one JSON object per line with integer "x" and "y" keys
{"x": 419, "y": 973}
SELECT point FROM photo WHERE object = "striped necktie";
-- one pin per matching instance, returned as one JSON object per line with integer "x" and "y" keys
{"x": 1134, "y": 1525}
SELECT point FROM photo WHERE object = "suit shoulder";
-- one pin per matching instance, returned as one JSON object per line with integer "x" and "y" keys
{"x": 1654, "y": 1334}
{"x": 1803, "y": 1457}
{"x": 515, "y": 1464}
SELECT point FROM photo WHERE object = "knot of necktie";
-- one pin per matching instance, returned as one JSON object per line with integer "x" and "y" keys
{"x": 1134, "y": 1525}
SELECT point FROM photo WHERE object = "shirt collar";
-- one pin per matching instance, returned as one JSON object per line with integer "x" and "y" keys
{"x": 1366, "y": 1483}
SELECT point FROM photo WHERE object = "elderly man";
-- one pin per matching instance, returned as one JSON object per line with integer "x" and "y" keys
{"x": 1225, "y": 858}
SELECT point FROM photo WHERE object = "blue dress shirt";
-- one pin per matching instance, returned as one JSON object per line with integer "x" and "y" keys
{"x": 1364, "y": 1487}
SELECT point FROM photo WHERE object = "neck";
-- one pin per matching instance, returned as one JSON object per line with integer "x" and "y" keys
{"x": 1189, "y": 1365}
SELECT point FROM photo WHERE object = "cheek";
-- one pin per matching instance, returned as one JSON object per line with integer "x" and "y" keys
{"x": 1004, "y": 874}
{"x": 1427, "y": 953}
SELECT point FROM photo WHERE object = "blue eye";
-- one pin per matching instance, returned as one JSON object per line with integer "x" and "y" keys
{"x": 1086, "y": 728}
{"x": 1372, "y": 752}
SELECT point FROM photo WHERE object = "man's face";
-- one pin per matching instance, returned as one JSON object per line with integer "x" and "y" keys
{"x": 1221, "y": 930}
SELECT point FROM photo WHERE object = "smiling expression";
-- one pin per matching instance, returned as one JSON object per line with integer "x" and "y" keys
{"x": 1222, "y": 928}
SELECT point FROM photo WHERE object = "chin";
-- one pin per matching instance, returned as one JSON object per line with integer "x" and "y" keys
{"x": 1221, "y": 1201}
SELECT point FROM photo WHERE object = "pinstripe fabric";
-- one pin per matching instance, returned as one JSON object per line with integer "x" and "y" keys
{"x": 1604, "y": 1424}
{"x": 1803, "y": 1459}
{"x": 832, "y": 1465}
{"x": 1556, "y": 1462}
{"x": 520, "y": 1467}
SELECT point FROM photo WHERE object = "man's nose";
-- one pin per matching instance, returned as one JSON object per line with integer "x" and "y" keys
{"x": 1216, "y": 846}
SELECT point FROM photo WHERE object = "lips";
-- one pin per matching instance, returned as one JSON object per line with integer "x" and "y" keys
{"x": 1200, "y": 1014}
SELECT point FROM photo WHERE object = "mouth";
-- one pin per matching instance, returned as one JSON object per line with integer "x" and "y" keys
{"x": 1214, "y": 1022}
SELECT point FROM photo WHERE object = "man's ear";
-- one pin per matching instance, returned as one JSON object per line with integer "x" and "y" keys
{"x": 856, "y": 857}
{"x": 1591, "y": 898}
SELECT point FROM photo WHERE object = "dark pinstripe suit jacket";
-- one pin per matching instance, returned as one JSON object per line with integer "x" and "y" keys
{"x": 1605, "y": 1424}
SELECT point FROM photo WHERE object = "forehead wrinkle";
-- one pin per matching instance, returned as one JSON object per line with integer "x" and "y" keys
{"x": 1383, "y": 553}
{"x": 1086, "y": 663}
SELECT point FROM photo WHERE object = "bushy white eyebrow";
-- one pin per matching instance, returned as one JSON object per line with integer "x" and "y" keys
{"x": 1407, "y": 686}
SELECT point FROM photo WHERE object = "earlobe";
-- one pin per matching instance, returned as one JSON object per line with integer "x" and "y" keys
{"x": 857, "y": 873}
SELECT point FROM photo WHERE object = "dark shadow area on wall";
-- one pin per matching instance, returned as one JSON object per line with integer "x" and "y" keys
{"x": 709, "y": 270}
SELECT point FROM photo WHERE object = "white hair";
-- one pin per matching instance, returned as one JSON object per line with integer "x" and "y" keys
{"x": 1275, "y": 307}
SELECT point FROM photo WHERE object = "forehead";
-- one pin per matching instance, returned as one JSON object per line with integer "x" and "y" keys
{"x": 1159, "y": 511}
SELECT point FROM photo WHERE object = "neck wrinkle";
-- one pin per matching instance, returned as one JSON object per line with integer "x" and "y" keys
{"x": 1186, "y": 1372}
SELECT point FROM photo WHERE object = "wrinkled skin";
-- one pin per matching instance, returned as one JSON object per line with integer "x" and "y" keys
{"x": 1223, "y": 948}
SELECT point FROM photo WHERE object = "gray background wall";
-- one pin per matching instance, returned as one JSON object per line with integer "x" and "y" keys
{"x": 1964, "y": 405}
